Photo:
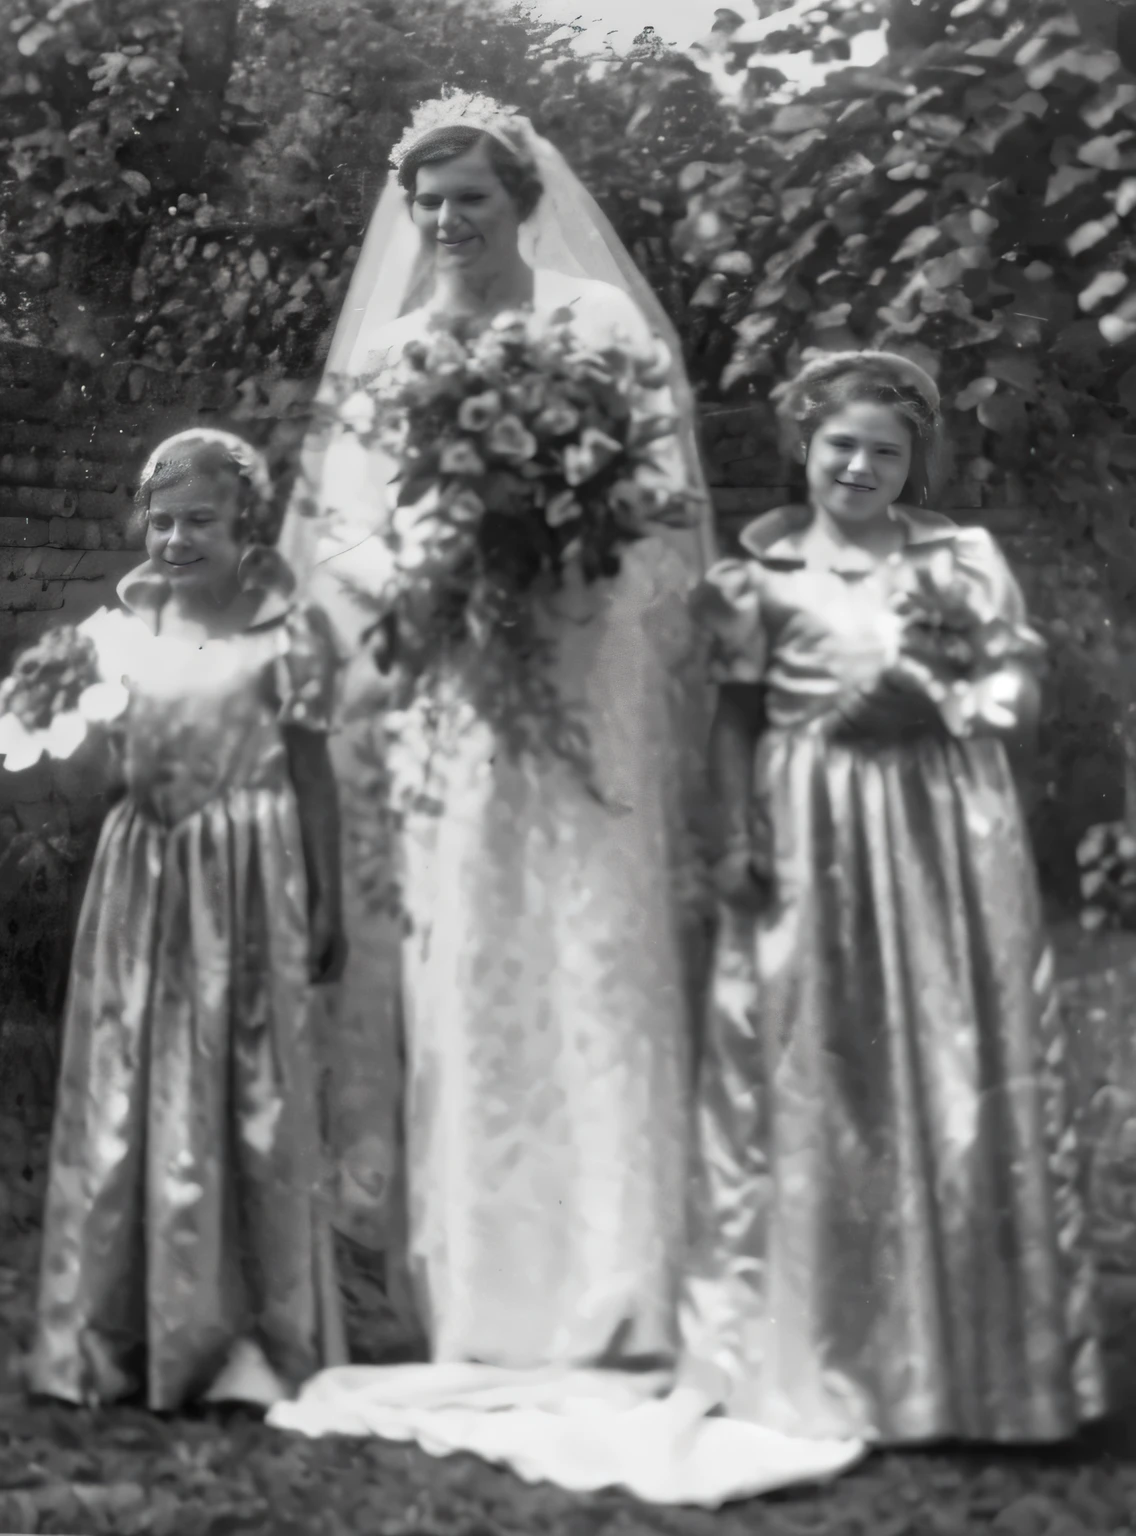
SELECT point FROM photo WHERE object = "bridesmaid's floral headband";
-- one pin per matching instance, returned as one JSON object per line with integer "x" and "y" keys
{"x": 901, "y": 371}
{"x": 247, "y": 463}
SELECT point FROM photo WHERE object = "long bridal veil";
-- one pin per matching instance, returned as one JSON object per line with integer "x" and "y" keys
{"x": 583, "y": 1429}
{"x": 330, "y": 538}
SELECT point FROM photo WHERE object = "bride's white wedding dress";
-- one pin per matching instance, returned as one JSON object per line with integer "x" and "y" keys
{"x": 546, "y": 987}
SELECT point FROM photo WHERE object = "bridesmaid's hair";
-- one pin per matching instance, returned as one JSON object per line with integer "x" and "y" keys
{"x": 828, "y": 383}
{"x": 211, "y": 453}
{"x": 441, "y": 145}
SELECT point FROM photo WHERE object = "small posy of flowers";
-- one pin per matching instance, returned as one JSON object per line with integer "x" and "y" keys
{"x": 68, "y": 683}
{"x": 1106, "y": 857}
{"x": 958, "y": 649}
{"x": 520, "y": 451}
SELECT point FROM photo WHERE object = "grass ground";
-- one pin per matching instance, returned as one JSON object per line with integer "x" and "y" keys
{"x": 124, "y": 1472}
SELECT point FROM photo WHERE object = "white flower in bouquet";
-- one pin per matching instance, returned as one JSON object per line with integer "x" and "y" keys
{"x": 71, "y": 680}
{"x": 594, "y": 366}
{"x": 989, "y": 704}
{"x": 461, "y": 458}
{"x": 444, "y": 355}
{"x": 528, "y": 396}
{"x": 515, "y": 328}
{"x": 655, "y": 365}
{"x": 464, "y": 506}
{"x": 490, "y": 357}
{"x": 22, "y": 748}
{"x": 103, "y": 703}
{"x": 562, "y": 509}
{"x": 357, "y": 413}
{"x": 510, "y": 440}
{"x": 594, "y": 452}
{"x": 479, "y": 412}
{"x": 557, "y": 419}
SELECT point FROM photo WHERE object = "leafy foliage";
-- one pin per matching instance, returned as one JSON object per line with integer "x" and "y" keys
{"x": 185, "y": 183}
{"x": 967, "y": 201}
{"x": 221, "y": 271}
{"x": 1107, "y": 857}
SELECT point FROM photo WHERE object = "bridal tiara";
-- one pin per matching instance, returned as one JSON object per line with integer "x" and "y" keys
{"x": 452, "y": 109}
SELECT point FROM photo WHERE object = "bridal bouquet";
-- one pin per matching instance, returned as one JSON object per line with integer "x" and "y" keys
{"x": 63, "y": 686}
{"x": 521, "y": 453}
{"x": 957, "y": 649}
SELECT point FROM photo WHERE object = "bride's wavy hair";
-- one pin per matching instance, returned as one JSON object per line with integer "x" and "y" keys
{"x": 454, "y": 140}
{"x": 828, "y": 383}
{"x": 212, "y": 453}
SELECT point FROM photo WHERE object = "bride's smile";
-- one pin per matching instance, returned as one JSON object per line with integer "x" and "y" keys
{"x": 464, "y": 212}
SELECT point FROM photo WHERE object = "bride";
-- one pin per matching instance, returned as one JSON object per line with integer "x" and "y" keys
{"x": 547, "y": 980}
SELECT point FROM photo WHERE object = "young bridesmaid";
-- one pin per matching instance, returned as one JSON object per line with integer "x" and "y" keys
{"x": 894, "y": 1242}
{"x": 184, "y": 1253}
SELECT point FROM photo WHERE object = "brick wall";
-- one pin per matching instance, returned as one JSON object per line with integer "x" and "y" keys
{"x": 744, "y": 470}
{"x": 66, "y": 539}
{"x": 65, "y": 514}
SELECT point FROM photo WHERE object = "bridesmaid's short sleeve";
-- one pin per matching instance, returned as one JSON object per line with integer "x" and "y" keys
{"x": 728, "y": 606}
{"x": 307, "y": 670}
{"x": 981, "y": 563}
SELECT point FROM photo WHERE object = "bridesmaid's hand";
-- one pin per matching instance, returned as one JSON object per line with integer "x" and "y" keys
{"x": 897, "y": 704}
{"x": 327, "y": 946}
{"x": 742, "y": 876}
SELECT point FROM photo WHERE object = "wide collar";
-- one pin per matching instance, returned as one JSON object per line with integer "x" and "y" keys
{"x": 144, "y": 592}
{"x": 777, "y": 539}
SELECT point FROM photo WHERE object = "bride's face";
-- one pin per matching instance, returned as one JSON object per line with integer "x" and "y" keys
{"x": 464, "y": 214}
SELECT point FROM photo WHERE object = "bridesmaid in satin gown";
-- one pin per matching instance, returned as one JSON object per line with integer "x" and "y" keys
{"x": 185, "y": 1251}
{"x": 897, "y": 1244}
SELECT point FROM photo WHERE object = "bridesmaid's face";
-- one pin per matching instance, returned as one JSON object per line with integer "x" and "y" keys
{"x": 191, "y": 535}
{"x": 858, "y": 461}
{"x": 465, "y": 216}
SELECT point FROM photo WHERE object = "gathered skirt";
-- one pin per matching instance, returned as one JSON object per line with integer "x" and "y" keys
{"x": 183, "y": 1210}
{"x": 893, "y": 1232}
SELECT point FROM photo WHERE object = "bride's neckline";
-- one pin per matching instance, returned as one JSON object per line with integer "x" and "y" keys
{"x": 546, "y": 281}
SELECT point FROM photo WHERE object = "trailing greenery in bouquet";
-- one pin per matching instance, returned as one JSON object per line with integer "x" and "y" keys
{"x": 521, "y": 454}
{"x": 1106, "y": 857}
{"x": 957, "y": 650}
{"x": 63, "y": 687}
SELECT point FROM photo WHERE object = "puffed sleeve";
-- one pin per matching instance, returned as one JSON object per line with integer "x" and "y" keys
{"x": 307, "y": 670}
{"x": 727, "y": 604}
{"x": 996, "y": 595}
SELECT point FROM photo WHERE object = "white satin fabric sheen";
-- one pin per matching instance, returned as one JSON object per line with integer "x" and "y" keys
{"x": 545, "y": 1001}
{"x": 583, "y": 1430}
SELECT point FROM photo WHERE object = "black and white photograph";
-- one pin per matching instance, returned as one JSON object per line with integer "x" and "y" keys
{"x": 567, "y": 768}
